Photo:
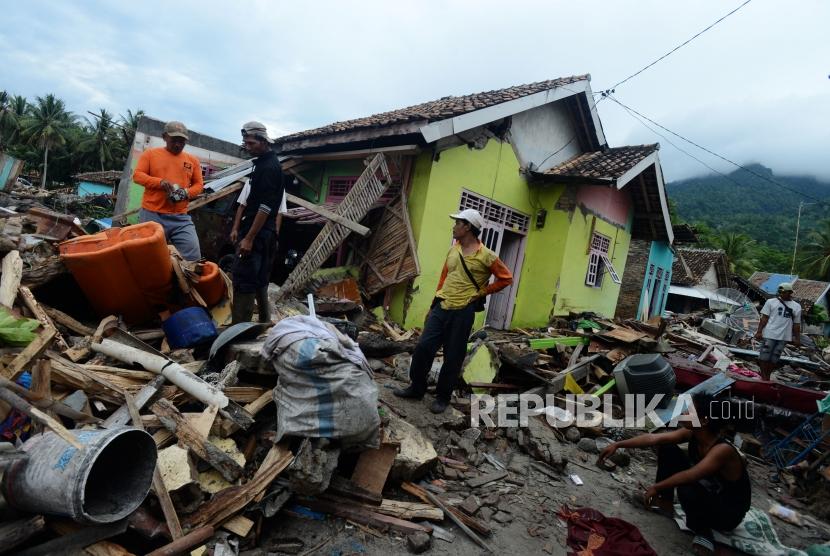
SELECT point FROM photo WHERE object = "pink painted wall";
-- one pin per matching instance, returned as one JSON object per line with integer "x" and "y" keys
{"x": 608, "y": 202}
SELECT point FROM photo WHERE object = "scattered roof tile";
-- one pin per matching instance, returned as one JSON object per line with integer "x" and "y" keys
{"x": 607, "y": 164}
{"x": 698, "y": 262}
{"x": 441, "y": 109}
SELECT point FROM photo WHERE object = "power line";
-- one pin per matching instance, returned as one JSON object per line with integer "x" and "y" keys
{"x": 676, "y": 48}
{"x": 670, "y": 142}
{"x": 713, "y": 153}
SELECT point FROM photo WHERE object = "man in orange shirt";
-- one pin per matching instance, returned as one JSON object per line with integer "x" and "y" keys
{"x": 170, "y": 178}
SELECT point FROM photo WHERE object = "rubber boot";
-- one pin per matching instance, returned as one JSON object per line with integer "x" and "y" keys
{"x": 243, "y": 307}
{"x": 263, "y": 306}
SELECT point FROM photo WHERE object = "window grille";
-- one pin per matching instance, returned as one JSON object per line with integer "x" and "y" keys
{"x": 599, "y": 263}
{"x": 496, "y": 213}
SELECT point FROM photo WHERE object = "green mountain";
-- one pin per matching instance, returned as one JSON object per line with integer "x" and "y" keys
{"x": 746, "y": 203}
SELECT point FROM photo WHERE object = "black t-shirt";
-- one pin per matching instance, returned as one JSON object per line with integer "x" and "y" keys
{"x": 266, "y": 192}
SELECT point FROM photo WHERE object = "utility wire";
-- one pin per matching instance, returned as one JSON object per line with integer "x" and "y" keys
{"x": 676, "y": 48}
{"x": 713, "y": 153}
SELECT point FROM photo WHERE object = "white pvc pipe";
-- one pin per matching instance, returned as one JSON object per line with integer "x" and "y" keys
{"x": 172, "y": 371}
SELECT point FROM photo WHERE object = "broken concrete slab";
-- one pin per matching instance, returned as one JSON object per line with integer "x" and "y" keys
{"x": 502, "y": 517}
{"x": 416, "y": 455}
{"x": 471, "y": 504}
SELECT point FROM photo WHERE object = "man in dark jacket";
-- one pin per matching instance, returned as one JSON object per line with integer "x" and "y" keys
{"x": 258, "y": 237}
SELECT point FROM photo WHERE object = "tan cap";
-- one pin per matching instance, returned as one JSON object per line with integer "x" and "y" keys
{"x": 785, "y": 287}
{"x": 176, "y": 129}
{"x": 257, "y": 129}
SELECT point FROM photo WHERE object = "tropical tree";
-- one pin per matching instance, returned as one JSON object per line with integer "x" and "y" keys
{"x": 47, "y": 126}
{"x": 7, "y": 119}
{"x": 739, "y": 250}
{"x": 816, "y": 260}
{"x": 102, "y": 142}
{"x": 129, "y": 123}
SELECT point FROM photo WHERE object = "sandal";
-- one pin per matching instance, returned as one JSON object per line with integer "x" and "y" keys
{"x": 705, "y": 543}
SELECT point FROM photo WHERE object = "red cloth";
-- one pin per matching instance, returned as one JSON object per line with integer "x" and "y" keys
{"x": 592, "y": 534}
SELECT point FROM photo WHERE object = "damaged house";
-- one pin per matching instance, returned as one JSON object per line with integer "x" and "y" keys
{"x": 561, "y": 206}
{"x": 696, "y": 274}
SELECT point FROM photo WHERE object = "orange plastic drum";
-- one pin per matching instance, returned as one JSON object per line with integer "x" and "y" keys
{"x": 211, "y": 286}
{"x": 122, "y": 271}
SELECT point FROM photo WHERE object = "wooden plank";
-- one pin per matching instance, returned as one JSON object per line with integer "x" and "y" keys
{"x": 230, "y": 501}
{"x": 44, "y": 319}
{"x": 229, "y": 427}
{"x": 17, "y": 532}
{"x": 325, "y": 213}
{"x": 373, "y": 467}
{"x": 74, "y": 542}
{"x": 190, "y": 437}
{"x": 366, "y": 517}
{"x": 626, "y": 335}
{"x": 410, "y": 510}
{"x": 239, "y": 525}
{"x": 211, "y": 197}
{"x": 469, "y": 521}
{"x": 31, "y": 352}
{"x": 68, "y": 322}
{"x": 166, "y": 503}
{"x": 12, "y": 273}
{"x": 183, "y": 545}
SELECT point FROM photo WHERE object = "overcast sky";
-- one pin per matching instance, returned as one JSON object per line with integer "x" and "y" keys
{"x": 755, "y": 88}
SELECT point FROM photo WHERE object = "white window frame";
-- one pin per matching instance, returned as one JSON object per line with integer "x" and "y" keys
{"x": 599, "y": 263}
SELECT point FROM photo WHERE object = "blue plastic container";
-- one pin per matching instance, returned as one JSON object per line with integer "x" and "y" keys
{"x": 189, "y": 327}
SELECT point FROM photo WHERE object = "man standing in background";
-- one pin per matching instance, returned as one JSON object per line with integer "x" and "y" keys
{"x": 780, "y": 323}
{"x": 171, "y": 177}
{"x": 257, "y": 229}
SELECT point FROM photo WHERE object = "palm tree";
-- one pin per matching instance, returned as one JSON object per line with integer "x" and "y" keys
{"x": 738, "y": 249}
{"x": 816, "y": 259}
{"x": 7, "y": 119}
{"x": 47, "y": 126}
{"x": 102, "y": 140}
{"x": 129, "y": 123}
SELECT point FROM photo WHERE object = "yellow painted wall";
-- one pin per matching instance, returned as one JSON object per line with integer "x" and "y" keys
{"x": 552, "y": 279}
{"x": 573, "y": 295}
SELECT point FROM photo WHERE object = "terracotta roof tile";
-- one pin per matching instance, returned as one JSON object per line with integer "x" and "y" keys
{"x": 441, "y": 109}
{"x": 699, "y": 261}
{"x": 607, "y": 164}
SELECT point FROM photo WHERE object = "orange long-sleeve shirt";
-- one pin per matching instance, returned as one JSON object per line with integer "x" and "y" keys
{"x": 160, "y": 164}
{"x": 455, "y": 288}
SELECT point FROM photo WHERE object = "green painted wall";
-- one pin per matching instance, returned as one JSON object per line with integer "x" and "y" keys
{"x": 552, "y": 261}
{"x": 572, "y": 294}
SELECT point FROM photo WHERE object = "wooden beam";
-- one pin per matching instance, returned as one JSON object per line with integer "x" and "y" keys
{"x": 166, "y": 503}
{"x": 14, "y": 533}
{"x": 228, "y": 502}
{"x": 211, "y": 197}
{"x": 361, "y": 153}
{"x": 325, "y": 213}
{"x": 195, "y": 538}
{"x": 28, "y": 409}
{"x": 44, "y": 319}
{"x": 12, "y": 269}
{"x": 190, "y": 437}
{"x": 31, "y": 352}
{"x": 65, "y": 320}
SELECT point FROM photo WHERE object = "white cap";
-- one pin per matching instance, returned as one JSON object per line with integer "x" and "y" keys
{"x": 472, "y": 216}
{"x": 785, "y": 287}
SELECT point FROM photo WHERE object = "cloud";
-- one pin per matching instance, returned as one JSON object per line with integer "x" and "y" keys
{"x": 754, "y": 88}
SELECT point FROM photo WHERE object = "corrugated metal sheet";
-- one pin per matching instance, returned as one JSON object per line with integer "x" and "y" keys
{"x": 775, "y": 280}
